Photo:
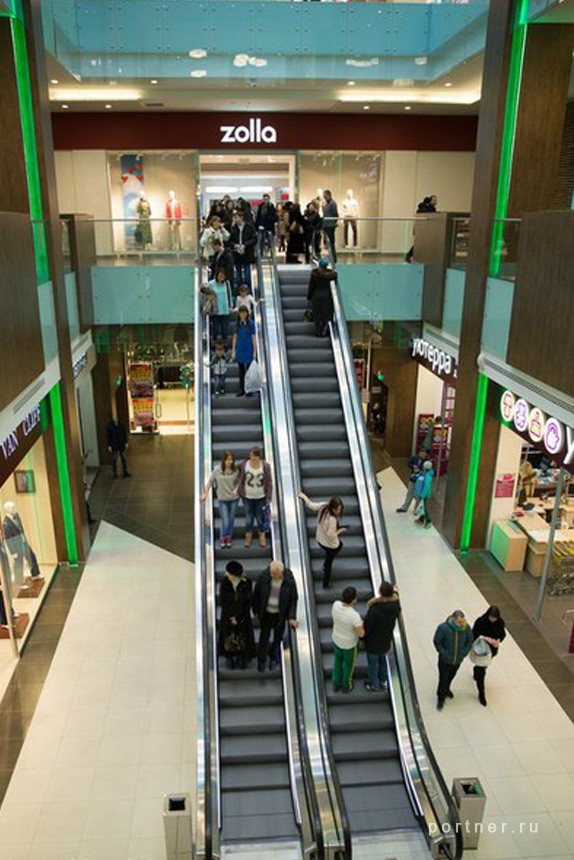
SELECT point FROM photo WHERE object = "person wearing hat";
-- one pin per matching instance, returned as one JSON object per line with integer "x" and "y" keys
{"x": 236, "y": 641}
{"x": 320, "y": 298}
{"x": 423, "y": 492}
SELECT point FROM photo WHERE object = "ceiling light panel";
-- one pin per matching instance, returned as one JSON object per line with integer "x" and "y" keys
{"x": 88, "y": 94}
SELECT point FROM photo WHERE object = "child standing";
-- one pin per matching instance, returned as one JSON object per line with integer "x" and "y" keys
{"x": 219, "y": 364}
{"x": 245, "y": 300}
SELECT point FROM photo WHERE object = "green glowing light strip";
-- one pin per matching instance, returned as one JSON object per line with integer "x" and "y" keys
{"x": 508, "y": 137}
{"x": 497, "y": 239}
{"x": 30, "y": 149}
{"x": 63, "y": 473}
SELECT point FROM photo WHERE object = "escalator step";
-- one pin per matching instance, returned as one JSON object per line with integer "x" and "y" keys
{"x": 303, "y": 383}
{"x": 370, "y": 772}
{"x": 324, "y": 468}
{"x": 317, "y": 399}
{"x": 319, "y": 431}
{"x": 237, "y": 777}
{"x": 371, "y": 745}
{"x": 307, "y": 417}
{"x": 325, "y": 487}
{"x": 248, "y": 749}
{"x": 374, "y": 715}
{"x": 381, "y": 819}
{"x": 247, "y": 720}
{"x": 274, "y": 801}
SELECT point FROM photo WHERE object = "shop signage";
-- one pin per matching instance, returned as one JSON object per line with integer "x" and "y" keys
{"x": 17, "y": 443}
{"x": 437, "y": 360}
{"x": 254, "y": 132}
{"x": 80, "y": 364}
{"x": 546, "y": 432}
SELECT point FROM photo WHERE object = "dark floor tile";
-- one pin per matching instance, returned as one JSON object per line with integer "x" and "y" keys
{"x": 21, "y": 697}
{"x": 9, "y": 752}
{"x": 5, "y": 777}
{"x": 49, "y": 633}
{"x": 14, "y": 725}
{"x": 40, "y": 651}
{"x": 553, "y": 671}
{"x": 32, "y": 672}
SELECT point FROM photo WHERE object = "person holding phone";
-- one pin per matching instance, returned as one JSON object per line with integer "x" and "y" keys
{"x": 328, "y": 530}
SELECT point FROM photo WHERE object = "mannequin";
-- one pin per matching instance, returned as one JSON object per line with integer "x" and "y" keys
{"x": 144, "y": 224}
{"x": 319, "y": 201}
{"x": 350, "y": 207}
{"x": 5, "y": 600}
{"x": 173, "y": 216}
{"x": 18, "y": 545}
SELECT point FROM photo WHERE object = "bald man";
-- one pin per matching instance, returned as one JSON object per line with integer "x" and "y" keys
{"x": 274, "y": 602}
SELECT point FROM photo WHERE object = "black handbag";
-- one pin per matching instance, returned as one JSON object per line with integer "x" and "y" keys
{"x": 308, "y": 314}
{"x": 234, "y": 644}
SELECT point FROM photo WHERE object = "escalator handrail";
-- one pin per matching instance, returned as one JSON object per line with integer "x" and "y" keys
{"x": 338, "y": 836}
{"x": 208, "y": 813}
{"x": 430, "y": 774}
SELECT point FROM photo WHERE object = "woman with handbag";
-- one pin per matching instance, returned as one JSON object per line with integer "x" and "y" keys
{"x": 244, "y": 349}
{"x": 490, "y": 628}
{"x": 236, "y": 641}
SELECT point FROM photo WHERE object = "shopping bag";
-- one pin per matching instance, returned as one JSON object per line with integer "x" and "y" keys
{"x": 480, "y": 653}
{"x": 253, "y": 378}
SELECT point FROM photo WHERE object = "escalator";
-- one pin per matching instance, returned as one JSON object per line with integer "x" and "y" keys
{"x": 362, "y": 726}
{"x": 253, "y": 745}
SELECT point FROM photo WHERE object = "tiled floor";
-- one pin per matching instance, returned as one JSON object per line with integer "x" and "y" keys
{"x": 114, "y": 728}
{"x": 521, "y": 746}
{"x": 19, "y": 698}
{"x": 156, "y": 503}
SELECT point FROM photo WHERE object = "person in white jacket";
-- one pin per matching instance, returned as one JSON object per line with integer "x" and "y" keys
{"x": 214, "y": 230}
{"x": 328, "y": 530}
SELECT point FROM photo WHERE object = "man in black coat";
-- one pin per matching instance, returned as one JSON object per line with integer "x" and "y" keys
{"x": 274, "y": 602}
{"x": 117, "y": 444}
{"x": 222, "y": 258}
{"x": 242, "y": 238}
{"x": 380, "y": 621}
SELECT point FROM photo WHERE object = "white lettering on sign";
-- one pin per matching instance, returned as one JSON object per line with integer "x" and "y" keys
{"x": 554, "y": 435}
{"x": 441, "y": 362}
{"x": 11, "y": 442}
{"x": 31, "y": 420}
{"x": 255, "y": 132}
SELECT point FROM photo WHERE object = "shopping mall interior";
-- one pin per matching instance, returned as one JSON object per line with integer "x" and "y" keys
{"x": 286, "y": 429}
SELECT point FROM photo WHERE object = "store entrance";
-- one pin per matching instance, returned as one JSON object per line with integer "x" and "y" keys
{"x": 246, "y": 175}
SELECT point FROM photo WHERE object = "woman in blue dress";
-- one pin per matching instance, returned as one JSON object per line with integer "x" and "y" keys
{"x": 244, "y": 348}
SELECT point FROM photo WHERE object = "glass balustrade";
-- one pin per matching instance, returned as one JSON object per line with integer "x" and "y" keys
{"x": 149, "y": 241}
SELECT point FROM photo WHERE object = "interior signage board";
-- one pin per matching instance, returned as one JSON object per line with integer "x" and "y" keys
{"x": 253, "y": 131}
{"x": 544, "y": 431}
{"x": 18, "y": 442}
{"x": 436, "y": 360}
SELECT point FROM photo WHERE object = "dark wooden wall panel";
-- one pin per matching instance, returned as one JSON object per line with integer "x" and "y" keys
{"x": 400, "y": 372}
{"x": 83, "y": 257}
{"x": 431, "y": 248}
{"x": 20, "y": 330}
{"x": 541, "y": 342}
{"x": 13, "y": 182}
{"x": 541, "y": 117}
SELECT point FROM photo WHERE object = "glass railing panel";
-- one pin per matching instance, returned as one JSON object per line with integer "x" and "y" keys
{"x": 66, "y": 253}
{"x": 145, "y": 241}
{"x": 453, "y": 301}
{"x": 48, "y": 321}
{"x": 497, "y": 317}
{"x": 459, "y": 235}
{"x": 505, "y": 240}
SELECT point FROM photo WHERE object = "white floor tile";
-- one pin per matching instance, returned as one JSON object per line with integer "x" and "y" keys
{"x": 105, "y": 849}
{"x": 61, "y": 822}
{"x": 54, "y": 851}
{"x": 147, "y": 849}
{"x": 115, "y": 782}
{"x": 111, "y": 818}
{"x": 70, "y": 784}
{"x": 147, "y": 820}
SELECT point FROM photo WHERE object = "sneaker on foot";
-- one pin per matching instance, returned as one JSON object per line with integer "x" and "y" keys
{"x": 439, "y": 705}
{"x": 401, "y": 510}
{"x": 450, "y": 694}
{"x": 371, "y": 689}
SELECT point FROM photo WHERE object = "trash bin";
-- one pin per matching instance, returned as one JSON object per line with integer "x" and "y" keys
{"x": 470, "y": 801}
{"x": 178, "y": 827}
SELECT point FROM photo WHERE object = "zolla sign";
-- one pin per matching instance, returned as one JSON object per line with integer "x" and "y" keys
{"x": 533, "y": 424}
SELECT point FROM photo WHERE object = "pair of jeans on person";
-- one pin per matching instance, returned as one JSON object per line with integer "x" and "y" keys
{"x": 219, "y": 325}
{"x": 227, "y": 511}
{"x": 243, "y": 274}
{"x": 343, "y": 665}
{"x": 377, "y": 670}
{"x": 409, "y": 497}
{"x": 330, "y": 553}
{"x": 219, "y": 383}
{"x": 270, "y": 622}
{"x": 253, "y": 511}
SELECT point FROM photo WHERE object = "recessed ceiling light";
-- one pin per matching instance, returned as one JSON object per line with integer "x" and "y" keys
{"x": 113, "y": 83}
{"x": 258, "y": 62}
{"x": 153, "y": 81}
{"x": 407, "y": 107}
{"x": 239, "y": 62}
{"x": 198, "y": 73}
{"x": 350, "y": 83}
{"x": 198, "y": 53}
{"x": 366, "y": 107}
{"x": 403, "y": 82}
{"x": 98, "y": 94}
{"x": 65, "y": 107}
{"x": 420, "y": 61}
{"x": 108, "y": 107}
{"x": 54, "y": 81}
{"x": 448, "y": 84}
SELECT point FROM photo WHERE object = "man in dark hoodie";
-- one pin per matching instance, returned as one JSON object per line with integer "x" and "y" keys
{"x": 380, "y": 621}
{"x": 453, "y": 640}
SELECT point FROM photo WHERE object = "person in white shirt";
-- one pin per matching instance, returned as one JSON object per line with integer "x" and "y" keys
{"x": 328, "y": 530}
{"x": 245, "y": 300}
{"x": 347, "y": 630}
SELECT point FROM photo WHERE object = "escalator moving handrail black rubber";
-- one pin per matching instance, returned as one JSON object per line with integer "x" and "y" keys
{"x": 385, "y": 559}
{"x": 321, "y": 698}
{"x": 308, "y": 784}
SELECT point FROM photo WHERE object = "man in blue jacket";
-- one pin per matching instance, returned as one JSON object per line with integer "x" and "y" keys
{"x": 452, "y": 640}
